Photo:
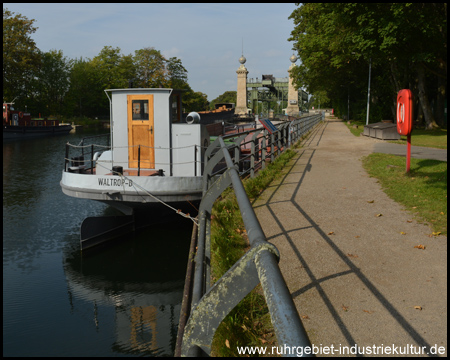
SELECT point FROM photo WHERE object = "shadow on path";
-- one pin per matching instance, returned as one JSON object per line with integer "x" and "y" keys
{"x": 304, "y": 153}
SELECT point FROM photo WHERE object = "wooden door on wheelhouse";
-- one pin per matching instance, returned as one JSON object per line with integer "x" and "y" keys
{"x": 141, "y": 131}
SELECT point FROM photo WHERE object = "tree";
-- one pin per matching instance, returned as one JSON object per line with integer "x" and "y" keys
{"x": 177, "y": 74}
{"x": 406, "y": 45}
{"x": 150, "y": 67}
{"x": 81, "y": 98}
{"x": 52, "y": 82}
{"x": 226, "y": 97}
{"x": 21, "y": 57}
{"x": 194, "y": 101}
{"x": 112, "y": 70}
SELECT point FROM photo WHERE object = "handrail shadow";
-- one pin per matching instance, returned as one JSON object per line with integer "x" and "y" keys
{"x": 315, "y": 282}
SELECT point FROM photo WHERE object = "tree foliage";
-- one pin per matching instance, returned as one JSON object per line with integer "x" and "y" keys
{"x": 226, "y": 97}
{"x": 51, "y": 84}
{"x": 405, "y": 43}
{"x": 21, "y": 57}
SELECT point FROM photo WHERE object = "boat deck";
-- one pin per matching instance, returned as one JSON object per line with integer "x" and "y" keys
{"x": 126, "y": 172}
{"x": 142, "y": 172}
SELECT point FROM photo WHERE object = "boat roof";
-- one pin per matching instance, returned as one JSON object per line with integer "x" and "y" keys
{"x": 148, "y": 89}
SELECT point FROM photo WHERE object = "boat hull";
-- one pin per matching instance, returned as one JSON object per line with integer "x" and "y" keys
{"x": 23, "y": 132}
{"x": 131, "y": 193}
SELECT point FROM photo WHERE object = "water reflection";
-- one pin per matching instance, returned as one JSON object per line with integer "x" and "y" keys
{"x": 141, "y": 279}
{"x": 119, "y": 301}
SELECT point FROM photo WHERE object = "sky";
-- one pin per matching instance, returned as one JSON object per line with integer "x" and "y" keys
{"x": 207, "y": 38}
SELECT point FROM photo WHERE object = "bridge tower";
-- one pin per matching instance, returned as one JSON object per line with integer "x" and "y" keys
{"x": 241, "y": 101}
{"x": 292, "y": 108}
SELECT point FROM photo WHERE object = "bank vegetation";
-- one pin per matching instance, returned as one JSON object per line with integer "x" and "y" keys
{"x": 402, "y": 45}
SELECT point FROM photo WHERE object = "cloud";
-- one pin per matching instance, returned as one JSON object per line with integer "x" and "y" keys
{"x": 172, "y": 52}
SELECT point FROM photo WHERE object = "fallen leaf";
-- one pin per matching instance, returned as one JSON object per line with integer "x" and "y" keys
{"x": 227, "y": 343}
{"x": 420, "y": 247}
{"x": 345, "y": 308}
{"x": 414, "y": 207}
{"x": 305, "y": 317}
{"x": 418, "y": 307}
{"x": 442, "y": 213}
{"x": 436, "y": 233}
{"x": 263, "y": 341}
{"x": 351, "y": 255}
{"x": 244, "y": 327}
{"x": 331, "y": 233}
{"x": 371, "y": 201}
{"x": 410, "y": 221}
{"x": 367, "y": 311}
{"x": 378, "y": 215}
{"x": 357, "y": 236}
{"x": 402, "y": 232}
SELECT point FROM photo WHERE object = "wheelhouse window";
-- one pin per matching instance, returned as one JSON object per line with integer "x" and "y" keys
{"x": 140, "y": 109}
{"x": 176, "y": 108}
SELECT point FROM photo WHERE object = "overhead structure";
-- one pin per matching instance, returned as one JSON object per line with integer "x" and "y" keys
{"x": 270, "y": 89}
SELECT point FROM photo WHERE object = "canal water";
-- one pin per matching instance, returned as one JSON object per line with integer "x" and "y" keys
{"x": 123, "y": 299}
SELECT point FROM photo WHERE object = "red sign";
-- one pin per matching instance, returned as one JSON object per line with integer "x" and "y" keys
{"x": 404, "y": 112}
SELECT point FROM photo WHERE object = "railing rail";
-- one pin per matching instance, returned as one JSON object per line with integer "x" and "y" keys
{"x": 210, "y": 304}
{"x": 84, "y": 154}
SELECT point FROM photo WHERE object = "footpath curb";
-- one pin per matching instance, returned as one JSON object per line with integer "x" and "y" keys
{"x": 355, "y": 279}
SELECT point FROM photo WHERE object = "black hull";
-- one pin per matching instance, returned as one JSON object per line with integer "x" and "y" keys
{"x": 24, "y": 132}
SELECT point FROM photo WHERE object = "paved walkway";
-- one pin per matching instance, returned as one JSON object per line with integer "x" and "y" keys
{"x": 354, "y": 278}
{"x": 418, "y": 152}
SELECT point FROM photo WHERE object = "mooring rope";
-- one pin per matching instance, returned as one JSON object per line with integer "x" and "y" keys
{"x": 178, "y": 211}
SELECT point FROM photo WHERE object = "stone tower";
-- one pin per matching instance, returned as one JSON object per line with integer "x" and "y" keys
{"x": 292, "y": 108}
{"x": 241, "y": 101}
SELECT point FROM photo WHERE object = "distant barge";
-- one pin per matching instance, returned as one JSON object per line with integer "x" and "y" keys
{"x": 19, "y": 125}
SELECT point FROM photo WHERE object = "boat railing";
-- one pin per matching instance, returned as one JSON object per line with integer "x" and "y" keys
{"x": 205, "y": 305}
{"x": 85, "y": 157}
{"x": 82, "y": 157}
{"x": 250, "y": 149}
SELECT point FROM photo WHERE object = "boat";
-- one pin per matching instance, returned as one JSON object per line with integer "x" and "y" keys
{"x": 20, "y": 125}
{"x": 151, "y": 161}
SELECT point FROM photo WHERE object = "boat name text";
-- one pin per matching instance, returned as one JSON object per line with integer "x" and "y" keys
{"x": 114, "y": 182}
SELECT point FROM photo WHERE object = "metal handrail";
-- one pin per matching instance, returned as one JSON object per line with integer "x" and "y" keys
{"x": 210, "y": 304}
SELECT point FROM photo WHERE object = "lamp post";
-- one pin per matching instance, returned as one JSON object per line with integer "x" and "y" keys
{"x": 368, "y": 88}
{"x": 348, "y": 102}
{"x": 368, "y": 91}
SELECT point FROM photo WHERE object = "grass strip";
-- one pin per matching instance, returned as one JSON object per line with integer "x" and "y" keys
{"x": 422, "y": 191}
{"x": 249, "y": 323}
